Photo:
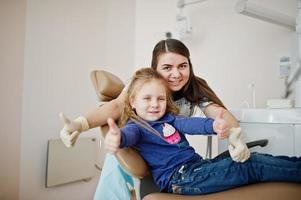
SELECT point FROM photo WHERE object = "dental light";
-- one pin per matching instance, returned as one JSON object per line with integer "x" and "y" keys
{"x": 184, "y": 27}
{"x": 183, "y": 3}
{"x": 253, "y": 10}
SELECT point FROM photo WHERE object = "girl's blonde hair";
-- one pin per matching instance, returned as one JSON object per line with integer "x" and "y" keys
{"x": 141, "y": 77}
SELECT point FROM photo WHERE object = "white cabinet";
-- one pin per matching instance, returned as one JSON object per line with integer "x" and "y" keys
{"x": 281, "y": 127}
{"x": 280, "y": 136}
{"x": 298, "y": 140}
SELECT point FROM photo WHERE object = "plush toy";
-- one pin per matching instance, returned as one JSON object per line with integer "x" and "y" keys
{"x": 238, "y": 150}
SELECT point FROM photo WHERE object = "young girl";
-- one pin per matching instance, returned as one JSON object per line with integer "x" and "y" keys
{"x": 150, "y": 124}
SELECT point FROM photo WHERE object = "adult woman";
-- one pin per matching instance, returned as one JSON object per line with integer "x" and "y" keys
{"x": 171, "y": 59}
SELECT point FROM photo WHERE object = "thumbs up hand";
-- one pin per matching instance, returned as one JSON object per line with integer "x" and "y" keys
{"x": 113, "y": 137}
{"x": 221, "y": 126}
{"x": 72, "y": 129}
{"x": 238, "y": 150}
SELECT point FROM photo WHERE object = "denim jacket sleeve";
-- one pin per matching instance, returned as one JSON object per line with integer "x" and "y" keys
{"x": 194, "y": 125}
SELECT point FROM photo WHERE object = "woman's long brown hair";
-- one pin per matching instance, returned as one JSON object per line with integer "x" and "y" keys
{"x": 196, "y": 89}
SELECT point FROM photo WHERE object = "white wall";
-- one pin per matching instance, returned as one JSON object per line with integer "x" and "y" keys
{"x": 12, "y": 25}
{"x": 229, "y": 50}
{"x": 65, "y": 40}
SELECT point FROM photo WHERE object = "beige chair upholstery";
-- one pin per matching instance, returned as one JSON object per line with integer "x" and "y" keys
{"x": 259, "y": 191}
{"x": 108, "y": 87}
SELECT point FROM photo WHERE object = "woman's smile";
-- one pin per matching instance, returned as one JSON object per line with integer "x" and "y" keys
{"x": 175, "y": 69}
{"x": 175, "y": 83}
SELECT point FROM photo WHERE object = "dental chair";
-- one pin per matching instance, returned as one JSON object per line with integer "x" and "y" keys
{"x": 108, "y": 87}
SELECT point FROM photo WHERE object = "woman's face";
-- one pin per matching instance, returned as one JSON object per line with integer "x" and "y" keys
{"x": 175, "y": 70}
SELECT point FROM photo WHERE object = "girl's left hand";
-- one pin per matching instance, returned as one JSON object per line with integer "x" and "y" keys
{"x": 113, "y": 137}
{"x": 220, "y": 126}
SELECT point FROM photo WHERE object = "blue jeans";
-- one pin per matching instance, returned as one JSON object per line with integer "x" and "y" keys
{"x": 208, "y": 176}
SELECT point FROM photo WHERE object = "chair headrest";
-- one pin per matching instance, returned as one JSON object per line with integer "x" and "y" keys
{"x": 107, "y": 85}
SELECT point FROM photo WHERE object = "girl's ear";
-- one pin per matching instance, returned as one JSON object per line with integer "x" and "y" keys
{"x": 132, "y": 103}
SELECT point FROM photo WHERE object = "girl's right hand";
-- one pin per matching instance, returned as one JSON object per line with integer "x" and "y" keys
{"x": 113, "y": 137}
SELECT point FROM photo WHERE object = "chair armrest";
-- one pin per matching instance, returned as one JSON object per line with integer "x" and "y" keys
{"x": 131, "y": 161}
{"x": 261, "y": 143}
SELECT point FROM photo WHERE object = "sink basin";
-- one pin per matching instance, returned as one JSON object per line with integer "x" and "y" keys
{"x": 266, "y": 115}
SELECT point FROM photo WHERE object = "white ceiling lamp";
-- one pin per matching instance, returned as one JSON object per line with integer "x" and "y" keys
{"x": 253, "y": 10}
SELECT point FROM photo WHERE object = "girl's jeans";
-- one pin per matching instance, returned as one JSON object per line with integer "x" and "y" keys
{"x": 208, "y": 176}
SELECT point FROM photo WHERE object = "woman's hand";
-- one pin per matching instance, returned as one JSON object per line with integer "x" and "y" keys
{"x": 238, "y": 150}
{"x": 220, "y": 126}
{"x": 113, "y": 137}
{"x": 72, "y": 129}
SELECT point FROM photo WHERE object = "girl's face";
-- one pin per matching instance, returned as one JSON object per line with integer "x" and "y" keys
{"x": 175, "y": 70}
{"x": 149, "y": 100}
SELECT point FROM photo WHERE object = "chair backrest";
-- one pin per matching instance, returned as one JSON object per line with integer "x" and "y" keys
{"x": 108, "y": 87}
